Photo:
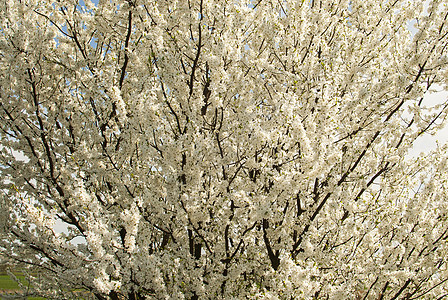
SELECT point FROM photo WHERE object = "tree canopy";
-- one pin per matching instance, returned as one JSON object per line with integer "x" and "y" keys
{"x": 205, "y": 149}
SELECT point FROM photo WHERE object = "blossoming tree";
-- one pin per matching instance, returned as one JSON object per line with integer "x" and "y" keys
{"x": 205, "y": 149}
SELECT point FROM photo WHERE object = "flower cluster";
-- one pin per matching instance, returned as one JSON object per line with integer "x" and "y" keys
{"x": 210, "y": 149}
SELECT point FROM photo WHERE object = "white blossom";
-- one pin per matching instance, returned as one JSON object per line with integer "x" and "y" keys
{"x": 224, "y": 149}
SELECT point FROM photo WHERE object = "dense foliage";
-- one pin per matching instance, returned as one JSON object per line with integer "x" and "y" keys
{"x": 207, "y": 149}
